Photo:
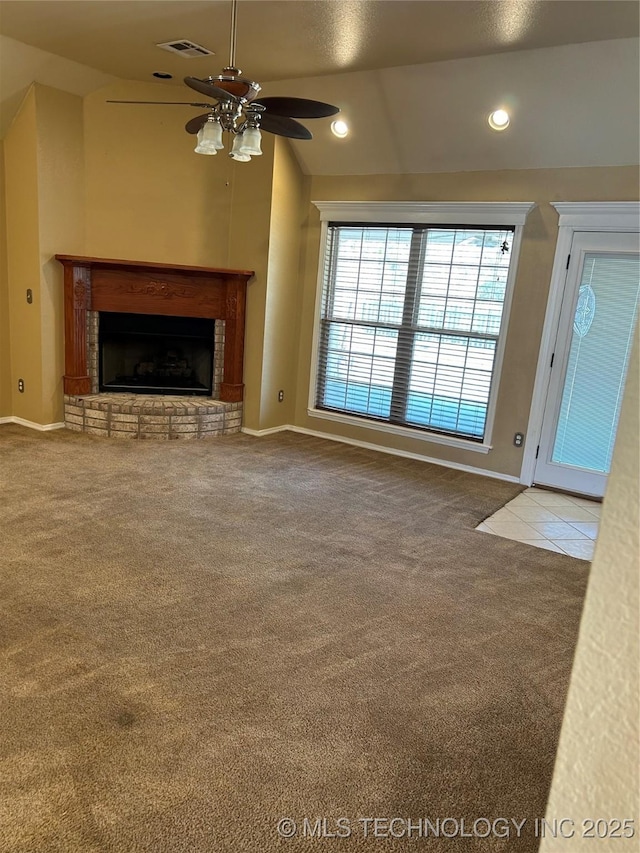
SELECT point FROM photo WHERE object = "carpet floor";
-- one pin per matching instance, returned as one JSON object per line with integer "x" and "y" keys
{"x": 199, "y": 639}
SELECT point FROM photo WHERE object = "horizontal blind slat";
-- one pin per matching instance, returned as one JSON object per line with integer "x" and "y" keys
{"x": 429, "y": 318}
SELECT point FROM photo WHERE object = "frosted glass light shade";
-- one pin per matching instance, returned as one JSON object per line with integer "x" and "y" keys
{"x": 237, "y": 152}
{"x": 209, "y": 138}
{"x": 250, "y": 144}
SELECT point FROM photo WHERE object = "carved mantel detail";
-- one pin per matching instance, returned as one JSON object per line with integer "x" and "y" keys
{"x": 80, "y": 294}
{"x": 163, "y": 289}
{"x": 102, "y": 284}
{"x": 232, "y": 306}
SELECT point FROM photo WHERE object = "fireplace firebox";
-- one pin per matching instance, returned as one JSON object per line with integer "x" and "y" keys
{"x": 154, "y": 354}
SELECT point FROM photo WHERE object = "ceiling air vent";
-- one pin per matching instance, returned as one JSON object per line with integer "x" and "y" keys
{"x": 186, "y": 48}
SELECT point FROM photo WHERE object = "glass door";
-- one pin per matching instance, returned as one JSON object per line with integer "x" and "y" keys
{"x": 595, "y": 331}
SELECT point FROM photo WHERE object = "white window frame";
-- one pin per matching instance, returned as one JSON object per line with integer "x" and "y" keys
{"x": 488, "y": 214}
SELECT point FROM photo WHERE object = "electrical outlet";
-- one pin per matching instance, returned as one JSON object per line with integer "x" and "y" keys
{"x": 280, "y": 396}
{"x": 21, "y": 386}
{"x": 518, "y": 439}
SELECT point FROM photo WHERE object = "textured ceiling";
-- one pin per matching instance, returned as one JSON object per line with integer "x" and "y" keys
{"x": 385, "y": 63}
{"x": 281, "y": 39}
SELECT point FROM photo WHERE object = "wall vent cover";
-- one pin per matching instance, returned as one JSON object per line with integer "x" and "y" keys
{"x": 186, "y": 48}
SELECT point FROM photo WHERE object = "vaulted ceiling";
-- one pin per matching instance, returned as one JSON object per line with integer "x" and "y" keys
{"x": 384, "y": 62}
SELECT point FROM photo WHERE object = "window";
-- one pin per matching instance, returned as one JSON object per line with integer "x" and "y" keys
{"x": 410, "y": 324}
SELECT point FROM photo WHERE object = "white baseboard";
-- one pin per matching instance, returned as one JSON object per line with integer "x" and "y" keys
{"x": 31, "y": 424}
{"x": 270, "y": 431}
{"x": 469, "y": 469}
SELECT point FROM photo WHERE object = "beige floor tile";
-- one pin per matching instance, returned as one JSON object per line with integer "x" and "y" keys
{"x": 542, "y": 543}
{"x": 582, "y": 548}
{"x": 534, "y": 513}
{"x": 574, "y": 513}
{"x": 523, "y": 499}
{"x": 594, "y": 509}
{"x": 589, "y": 528}
{"x": 551, "y": 520}
{"x": 585, "y": 502}
{"x": 549, "y": 498}
{"x": 505, "y": 514}
{"x": 556, "y": 530}
{"x": 514, "y": 530}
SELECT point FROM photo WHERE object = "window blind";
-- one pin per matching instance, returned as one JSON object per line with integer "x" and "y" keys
{"x": 410, "y": 320}
{"x": 603, "y": 326}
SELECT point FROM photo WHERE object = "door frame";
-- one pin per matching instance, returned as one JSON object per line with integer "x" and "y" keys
{"x": 610, "y": 216}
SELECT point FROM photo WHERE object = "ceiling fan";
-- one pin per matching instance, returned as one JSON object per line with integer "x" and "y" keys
{"x": 232, "y": 106}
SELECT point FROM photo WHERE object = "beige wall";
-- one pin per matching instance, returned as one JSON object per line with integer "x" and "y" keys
{"x": 23, "y": 260}
{"x": 249, "y": 232}
{"x": 61, "y": 221}
{"x": 5, "y": 342}
{"x": 530, "y": 295}
{"x": 597, "y": 766}
{"x": 43, "y": 159}
{"x": 284, "y": 293}
{"x": 148, "y": 196}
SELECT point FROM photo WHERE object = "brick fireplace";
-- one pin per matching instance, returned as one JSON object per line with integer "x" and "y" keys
{"x": 97, "y": 285}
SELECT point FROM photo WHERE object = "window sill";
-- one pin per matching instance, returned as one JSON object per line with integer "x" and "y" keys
{"x": 404, "y": 432}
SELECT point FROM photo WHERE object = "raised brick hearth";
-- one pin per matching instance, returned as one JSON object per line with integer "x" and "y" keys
{"x": 152, "y": 416}
{"x": 93, "y": 285}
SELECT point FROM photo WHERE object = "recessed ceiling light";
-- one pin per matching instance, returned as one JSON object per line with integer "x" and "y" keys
{"x": 339, "y": 128}
{"x": 499, "y": 120}
{"x": 163, "y": 75}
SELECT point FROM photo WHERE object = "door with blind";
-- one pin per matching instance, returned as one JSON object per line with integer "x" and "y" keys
{"x": 591, "y": 356}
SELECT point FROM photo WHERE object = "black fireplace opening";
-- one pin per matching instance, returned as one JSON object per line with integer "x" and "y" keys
{"x": 154, "y": 354}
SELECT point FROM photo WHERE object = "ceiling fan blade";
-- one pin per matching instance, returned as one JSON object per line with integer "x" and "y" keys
{"x": 283, "y": 126}
{"x": 298, "y": 107}
{"x": 194, "y": 124}
{"x": 179, "y": 103}
{"x": 209, "y": 89}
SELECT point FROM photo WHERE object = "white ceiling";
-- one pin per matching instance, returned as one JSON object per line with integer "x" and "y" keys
{"x": 354, "y": 53}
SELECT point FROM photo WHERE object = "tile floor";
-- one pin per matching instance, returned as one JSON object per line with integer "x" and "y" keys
{"x": 548, "y": 520}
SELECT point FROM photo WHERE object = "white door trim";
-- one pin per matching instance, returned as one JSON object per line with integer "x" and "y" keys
{"x": 574, "y": 216}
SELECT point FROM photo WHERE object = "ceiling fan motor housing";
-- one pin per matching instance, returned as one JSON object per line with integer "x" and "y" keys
{"x": 232, "y": 82}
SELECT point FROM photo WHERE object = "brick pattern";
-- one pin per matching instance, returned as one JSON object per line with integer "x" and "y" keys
{"x": 92, "y": 349}
{"x": 218, "y": 357}
{"x": 151, "y": 416}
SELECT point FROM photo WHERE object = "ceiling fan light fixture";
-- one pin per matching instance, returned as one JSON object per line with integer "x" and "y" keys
{"x": 232, "y": 107}
{"x": 209, "y": 138}
{"x": 237, "y": 152}
{"x": 251, "y": 138}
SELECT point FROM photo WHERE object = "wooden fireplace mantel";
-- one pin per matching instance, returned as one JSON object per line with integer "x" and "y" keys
{"x": 139, "y": 287}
